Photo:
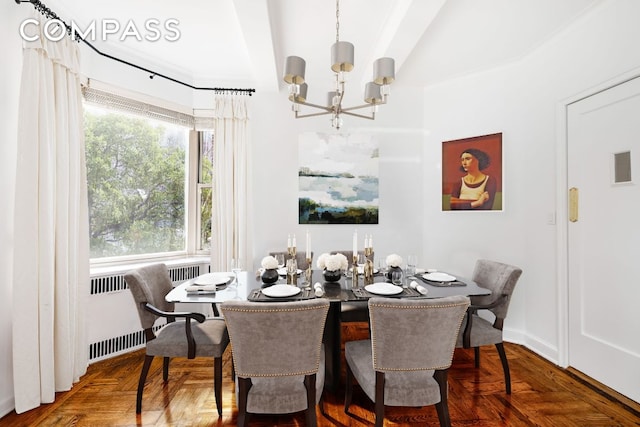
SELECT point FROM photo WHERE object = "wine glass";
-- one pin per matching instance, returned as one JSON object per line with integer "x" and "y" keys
{"x": 280, "y": 259}
{"x": 396, "y": 278}
{"x": 382, "y": 266}
{"x": 292, "y": 270}
{"x": 412, "y": 264}
{"x": 236, "y": 267}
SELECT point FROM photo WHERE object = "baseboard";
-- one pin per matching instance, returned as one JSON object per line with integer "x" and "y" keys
{"x": 550, "y": 353}
{"x": 541, "y": 348}
{"x": 7, "y": 405}
{"x": 609, "y": 393}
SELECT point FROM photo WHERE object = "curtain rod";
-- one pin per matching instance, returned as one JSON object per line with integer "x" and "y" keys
{"x": 48, "y": 13}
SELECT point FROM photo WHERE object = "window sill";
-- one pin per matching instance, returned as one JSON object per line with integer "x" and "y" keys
{"x": 108, "y": 268}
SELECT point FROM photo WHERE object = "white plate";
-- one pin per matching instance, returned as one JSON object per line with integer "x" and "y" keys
{"x": 283, "y": 271}
{"x": 382, "y": 288}
{"x": 281, "y": 291}
{"x": 420, "y": 270}
{"x": 439, "y": 277}
{"x": 211, "y": 279}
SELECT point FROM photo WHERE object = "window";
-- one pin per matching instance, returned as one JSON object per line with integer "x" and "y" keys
{"x": 149, "y": 178}
{"x": 136, "y": 175}
{"x": 205, "y": 191}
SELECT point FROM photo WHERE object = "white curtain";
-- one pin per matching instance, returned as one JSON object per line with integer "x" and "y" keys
{"x": 230, "y": 224}
{"x": 51, "y": 254}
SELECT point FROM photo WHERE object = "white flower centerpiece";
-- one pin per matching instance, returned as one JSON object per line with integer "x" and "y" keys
{"x": 270, "y": 266}
{"x": 394, "y": 261}
{"x": 332, "y": 266}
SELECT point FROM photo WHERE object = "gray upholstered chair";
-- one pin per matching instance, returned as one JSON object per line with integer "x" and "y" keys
{"x": 301, "y": 258}
{"x": 184, "y": 338}
{"x": 477, "y": 331}
{"x": 278, "y": 356}
{"x": 406, "y": 361}
{"x": 353, "y": 311}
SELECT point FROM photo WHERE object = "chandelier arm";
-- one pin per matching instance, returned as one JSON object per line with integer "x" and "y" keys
{"x": 371, "y": 117}
{"x": 321, "y": 107}
{"x": 358, "y": 107}
{"x": 302, "y": 116}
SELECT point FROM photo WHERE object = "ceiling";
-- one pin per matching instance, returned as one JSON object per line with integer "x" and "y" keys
{"x": 244, "y": 43}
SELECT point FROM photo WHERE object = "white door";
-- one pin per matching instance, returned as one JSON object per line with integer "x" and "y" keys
{"x": 604, "y": 242}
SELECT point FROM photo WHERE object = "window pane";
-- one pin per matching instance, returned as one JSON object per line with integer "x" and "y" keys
{"x": 136, "y": 179}
{"x": 206, "y": 156}
{"x": 205, "y": 218}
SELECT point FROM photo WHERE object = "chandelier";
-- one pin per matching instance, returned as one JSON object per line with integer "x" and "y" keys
{"x": 375, "y": 92}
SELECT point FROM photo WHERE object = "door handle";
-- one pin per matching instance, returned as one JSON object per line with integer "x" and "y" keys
{"x": 573, "y": 204}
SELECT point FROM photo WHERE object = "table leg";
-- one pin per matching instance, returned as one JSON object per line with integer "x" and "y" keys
{"x": 332, "y": 340}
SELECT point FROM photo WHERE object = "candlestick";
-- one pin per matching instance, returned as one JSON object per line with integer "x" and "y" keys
{"x": 355, "y": 243}
{"x": 307, "y": 272}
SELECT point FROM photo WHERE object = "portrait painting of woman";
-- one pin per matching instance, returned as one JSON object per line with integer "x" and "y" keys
{"x": 472, "y": 173}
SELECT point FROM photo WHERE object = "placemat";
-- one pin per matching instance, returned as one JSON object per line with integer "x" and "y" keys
{"x": 361, "y": 293}
{"x": 258, "y": 296}
{"x": 440, "y": 284}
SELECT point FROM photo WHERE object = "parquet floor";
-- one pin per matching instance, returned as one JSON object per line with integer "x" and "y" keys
{"x": 543, "y": 395}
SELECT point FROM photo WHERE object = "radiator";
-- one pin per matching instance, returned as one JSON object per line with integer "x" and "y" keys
{"x": 113, "y": 325}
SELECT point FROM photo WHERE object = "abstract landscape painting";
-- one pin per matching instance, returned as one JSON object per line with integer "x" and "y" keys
{"x": 338, "y": 179}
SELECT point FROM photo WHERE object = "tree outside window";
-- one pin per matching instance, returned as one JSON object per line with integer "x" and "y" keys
{"x": 136, "y": 181}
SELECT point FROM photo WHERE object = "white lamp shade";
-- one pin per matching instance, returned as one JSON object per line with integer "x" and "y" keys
{"x": 384, "y": 71}
{"x": 342, "y": 56}
{"x": 301, "y": 96}
{"x": 372, "y": 93}
{"x": 294, "y": 68}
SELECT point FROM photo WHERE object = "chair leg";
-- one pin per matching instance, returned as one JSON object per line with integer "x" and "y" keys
{"x": 244, "y": 384}
{"x": 310, "y": 385}
{"x": 143, "y": 377}
{"x": 321, "y": 403}
{"x": 442, "y": 407}
{"x": 379, "y": 403}
{"x": 233, "y": 369}
{"x": 348, "y": 389}
{"x": 165, "y": 369}
{"x": 217, "y": 383}
{"x": 476, "y": 354}
{"x": 214, "y": 308}
{"x": 505, "y": 367}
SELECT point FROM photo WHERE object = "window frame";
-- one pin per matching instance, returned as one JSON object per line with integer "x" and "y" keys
{"x": 130, "y": 105}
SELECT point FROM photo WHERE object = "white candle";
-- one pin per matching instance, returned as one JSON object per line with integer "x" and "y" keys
{"x": 355, "y": 243}
{"x": 366, "y": 241}
{"x": 293, "y": 242}
{"x": 289, "y": 241}
{"x": 308, "y": 245}
{"x": 371, "y": 241}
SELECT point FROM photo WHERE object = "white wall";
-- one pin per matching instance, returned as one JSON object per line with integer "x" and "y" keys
{"x": 520, "y": 100}
{"x": 11, "y": 52}
{"x": 398, "y": 129}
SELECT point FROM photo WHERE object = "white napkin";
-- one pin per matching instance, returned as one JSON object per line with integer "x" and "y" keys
{"x": 318, "y": 289}
{"x": 201, "y": 289}
{"x": 419, "y": 288}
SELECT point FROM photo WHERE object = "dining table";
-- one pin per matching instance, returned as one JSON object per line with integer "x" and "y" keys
{"x": 247, "y": 286}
